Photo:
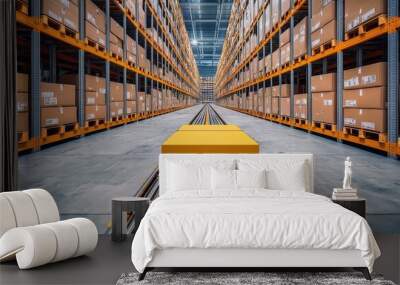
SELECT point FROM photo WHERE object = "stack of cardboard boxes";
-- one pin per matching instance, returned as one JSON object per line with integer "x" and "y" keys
{"x": 130, "y": 50}
{"x": 300, "y": 38}
{"x": 95, "y": 24}
{"x": 275, "y": 12}
{"x": 323, "y": 22}
{"x": 323, "y": 88}
{"x": 116, "y": 38}
{"x": 117, "y": 99}
{"x": 300, "y": 106}
{"x": 275, "y": 93}
{"x": 22, "y": 89}
{"x": 260, "y": 96}
{"x": 284, "y": 99}
{"x": 364, "y": 97}
{"x": 284, "y": 44}
{"x": 141, "y": 102}
{"x": 65, "y": 12}
{"x": 141, "y": 13}
{"x": 131, "y": 6}
{"x": 357, "y": 12}
{"x": 130, "y": 98}
{"x": 267, "y": 100}
{"x": 285, "y": 6}
{"x": 57, "y": 104}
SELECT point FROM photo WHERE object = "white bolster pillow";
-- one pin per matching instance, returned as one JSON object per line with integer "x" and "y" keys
{"x": 37, "y": 245}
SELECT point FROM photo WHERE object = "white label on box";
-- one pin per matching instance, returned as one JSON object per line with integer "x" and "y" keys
{"x": 368, "y": 125}
{"x": 315, "y": 42}
{"x": 129, "y": 110}
{"x": 113, "y": 114}
{"x": 102, "y": 91}
{"x": 90, "y": 116}
{"x": 21, "y": 107}
{"x": 97, "y": 108}
{"x": 350, "y": 121}
{"x": 369, "y": 79}
{"x": 360, "y": 111}
{"x": 351, "y": 82}
{"x": 368, "y": 14}
{"x": 328, "y": 102}
{"x": 55, "y": 16}
{"x": 49, "y": 99}
{"x": 52, "y": 121}
{"x": 120, "y": 111}
{"x": 350, "y": 103}
{"x": 90, "y": 100}
{"x": 61, "y": 110}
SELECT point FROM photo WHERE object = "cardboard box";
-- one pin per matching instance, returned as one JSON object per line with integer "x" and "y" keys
{"x": 22, "y": 82}
{"x": 366, "y": 76}
{"x": 95, "y": 34}
{"x": 141, "y": 102}
{"x": 130, "y": 107}
{"x": 92, "y": 82}
{"x": 300, "y": 106}
{"x": 370, "y": 119}
{"x": 324, "y": 35}
{"x": 285, "y": 54}
{"x": 285, "y": 6}
{"x": 116, "y": 109}
{"x": 285, "y": 106}
{"x": 95, "y": 98}
{"x": 130, "y": 91}
{"x": 275, "y": 59}
{"x": 283, "y": 92}
{"x": 357, "y": 12}
{"x": 284, "y": 38}
{"x": 131, "y": 5}
{"x": 56, "y": 116}
{"x": 97, "y": 112}
{"x": 275, "y": 12}
{"x": 374, "y": 98}
{"x": 323, "y": 82}
{"x": 131, "y": 45}
{"x": 54, "y": 94}
{"x": 275, "y": 105}
{"x": 117, "y": 29}
{"x": 63, "y": 11}
{"x": 324, "y": 107}
{"x": 131, "y": 57}
{"x": 116, "y": 91}
{"x": 95, "y": 16}
{"x": 117, "y": 49}
{"x": 323, "y": 16}
{"x": 22, "y": 122}
{"x": 300, "y": 38}
{"x": 318, "y": 5}
{"x": 22, "y": 102}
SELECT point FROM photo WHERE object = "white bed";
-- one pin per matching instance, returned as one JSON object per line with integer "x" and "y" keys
{"x": 225, "y": 226}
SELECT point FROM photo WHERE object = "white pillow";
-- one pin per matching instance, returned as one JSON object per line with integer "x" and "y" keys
{"x": 182, "y": 177}
{"x": 251, "y": 178}
{"x": 223, "y": 179}
{"x": 283, "y": 174}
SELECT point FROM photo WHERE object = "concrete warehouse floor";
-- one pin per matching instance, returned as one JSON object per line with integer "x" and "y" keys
{"x": 83, "y": 175}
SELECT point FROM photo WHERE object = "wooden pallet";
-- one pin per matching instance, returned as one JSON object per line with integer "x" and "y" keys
{"x": 366, "y": 134}
{"x": 59, "y": 130}
{"x": 22, "y": 7}
{"x": 50, "y": 22}
{"x": 300, "y": 122}
{"x": 366, "y": 26}
{"x": 284, "y": 119}
{"x": 117, "y": 118}
{"x": 94, "y": 123}
{"x": 323, "y": 47}
{"x": 94, "y": 44}
{"x": 324, "y": 126}
{"x": 285, "y": 65}
{"x": 300, "y": 58}
{"x": 116, "y": 56}
{"x": 22, "y": 137}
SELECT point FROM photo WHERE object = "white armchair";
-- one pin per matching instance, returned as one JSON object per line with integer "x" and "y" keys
{"x": 31, "y": 230}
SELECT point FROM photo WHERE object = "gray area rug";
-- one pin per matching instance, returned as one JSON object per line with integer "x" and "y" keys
{"x": 269, "y": 278}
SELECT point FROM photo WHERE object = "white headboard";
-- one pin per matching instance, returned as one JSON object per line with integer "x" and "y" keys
{"x": 165, "y": 158}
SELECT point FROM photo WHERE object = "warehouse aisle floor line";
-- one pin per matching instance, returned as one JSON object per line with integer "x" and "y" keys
{"x": 376, "y": 176}
{"x": 83, "y": 175}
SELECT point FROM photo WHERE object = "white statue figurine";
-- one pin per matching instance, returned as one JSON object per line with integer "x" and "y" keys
{"x": 347, "y": 174}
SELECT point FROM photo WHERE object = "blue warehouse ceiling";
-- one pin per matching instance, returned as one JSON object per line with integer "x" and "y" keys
{"x": 206, "y": 22}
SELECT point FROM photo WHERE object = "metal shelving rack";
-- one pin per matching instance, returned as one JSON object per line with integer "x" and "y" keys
{"x": 231, "y": 64}
{"x": 176, "y": 55}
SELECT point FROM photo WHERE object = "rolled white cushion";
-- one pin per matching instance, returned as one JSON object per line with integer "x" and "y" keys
{"x": 67, "y": 240}
{"x": 7, "y": 218}
{"x": 33, "y": 246}
{"x": 87, "y": 235}
{"x": 23, "y": 208}
{"x": 251, "y": 178}
{"x": 45, "y": 205}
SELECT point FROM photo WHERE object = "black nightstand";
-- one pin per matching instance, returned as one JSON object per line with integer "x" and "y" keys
{"x": 358, "y": 206}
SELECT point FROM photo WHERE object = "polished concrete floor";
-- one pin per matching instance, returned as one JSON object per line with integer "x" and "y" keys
{"x": 84, "y": 175}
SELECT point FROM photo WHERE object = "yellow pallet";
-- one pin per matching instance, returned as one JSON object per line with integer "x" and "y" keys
{"x": 210, "y": 141}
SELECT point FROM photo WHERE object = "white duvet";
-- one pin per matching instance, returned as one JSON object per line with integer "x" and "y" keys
{"x": 250, "y": 219}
